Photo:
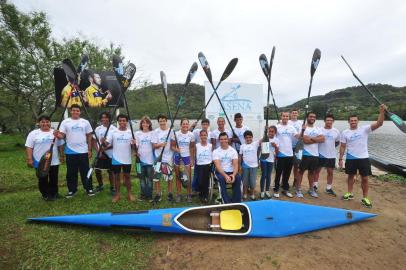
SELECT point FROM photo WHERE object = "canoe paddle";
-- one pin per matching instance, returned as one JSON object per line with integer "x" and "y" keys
{"x": 267, "y": 68}
{"x": 395, "y": 118}
{"x": 313, "y": 66}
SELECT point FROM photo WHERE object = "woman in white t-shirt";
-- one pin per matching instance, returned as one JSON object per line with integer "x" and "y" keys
{"x": 183, "y": 144}
{"x": 267, "y": 164}
{"x": 145, "y": 152}
{"x": 204, "y": 160}
{"x": 38, "y": 143}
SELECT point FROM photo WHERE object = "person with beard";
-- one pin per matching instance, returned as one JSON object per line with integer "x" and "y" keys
{"x": 355, "y": 140}
{"x": 93, "y": 94}
{"x": 312, "y": 136}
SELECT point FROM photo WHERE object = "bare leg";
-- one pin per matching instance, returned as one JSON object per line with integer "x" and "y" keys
{"x": 350, "y": 182}
{"x": 330, "y": 176}
{"x": 158, "y": 187}
{"x": 295, "y": 174}
{"x": 111, "y": 178}
{"x": 117, "y": 183}
{"x": 364, "y": 186}
{"x": 99, "y": 177}
{"x": 127, "y": 182}
{"x": 170, "y": 186}
{"x": 178, "y": 183}
{"x": 310, "y": 175}
{"x": 188, "y": 170}
{"x": 316, "y": 176}
{"x": 299, "y": 180}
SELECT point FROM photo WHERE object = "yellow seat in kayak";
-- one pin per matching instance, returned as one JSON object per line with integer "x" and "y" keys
{"x": 231, "y": 220}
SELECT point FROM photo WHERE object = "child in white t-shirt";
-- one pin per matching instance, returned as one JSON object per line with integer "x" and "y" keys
{"x": 249, "y": 157}
{"x": 204, "y": 160}
{"x": 267, "y": 164}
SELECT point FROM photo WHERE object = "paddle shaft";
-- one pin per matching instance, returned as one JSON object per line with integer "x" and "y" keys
{"x": 207, "y": 104}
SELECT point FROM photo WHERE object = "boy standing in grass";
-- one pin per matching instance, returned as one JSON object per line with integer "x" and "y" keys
{"x": 38, "y": 144}
{"x": 122, "y": 142}
{"x": 161, "y": 139}
{"x": 77, "y": 133}
{"x": 249, "y": 163}
{"x": 203, "y": 165}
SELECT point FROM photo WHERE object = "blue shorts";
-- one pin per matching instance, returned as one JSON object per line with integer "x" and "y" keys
{"x": 178, "y": 158}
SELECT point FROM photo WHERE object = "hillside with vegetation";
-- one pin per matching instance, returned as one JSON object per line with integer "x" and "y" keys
{"x": 150, "y": 101}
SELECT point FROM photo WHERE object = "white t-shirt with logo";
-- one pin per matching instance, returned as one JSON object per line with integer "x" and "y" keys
{"x": 249, "y": 154}
{"x": 357, "y": 142}
{"x": 75, "y": 131}
{"x": 196, "y": 133}
{"x": 271, "y": 157}
{"x": 184, "y": 140}
{"x": 226, "y": 158}
{"x": 327, "y": 149}
{"x": 285, "y": 135}
{"x": 312, "y": 149}
{"x": 159, "y": 136}
{"x": 204, "y": 154}
{"x": 215, "y": 135}
{"x": 240, "y": 134}
{"x": 144, "y": 144}
{"x": 40, "y": 142}
{"x": 298, "y": 126}
{"x": 121, "y": 142}
{"x": 100, "y": 131}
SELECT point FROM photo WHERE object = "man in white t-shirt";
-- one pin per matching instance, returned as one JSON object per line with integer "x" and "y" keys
{"x": 104, "y": 160}
{"x": 77, "y": 133}
{"x": 239, "y": 130}
{"x": 284, "y": 163}
{"x": 293, "y": 121}
{"x": 225, "y": 159}
{"x": 312, "y": 136}
{"x": 221, "y": 123}
{"x": 328, "y": 153}
{"x": 355, "y": 140}
{"x": 161, "y": 141}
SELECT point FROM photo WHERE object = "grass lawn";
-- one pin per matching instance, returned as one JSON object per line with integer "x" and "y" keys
{"x": 40, "y": 246}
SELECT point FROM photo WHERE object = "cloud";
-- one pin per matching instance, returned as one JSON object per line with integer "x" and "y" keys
{"x": 167, "y": 35}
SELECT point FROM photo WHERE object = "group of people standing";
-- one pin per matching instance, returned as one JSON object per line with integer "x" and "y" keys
{"x": 231, "y": 155}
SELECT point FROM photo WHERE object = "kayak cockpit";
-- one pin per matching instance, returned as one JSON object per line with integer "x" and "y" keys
{"x": 230, "y": 219}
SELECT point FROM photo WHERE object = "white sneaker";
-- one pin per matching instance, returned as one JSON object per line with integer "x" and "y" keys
{"x": 276, "y": 195}
{"x": 268, "y": 194}
{"x": 299, "y": 194}
{"x": 287, "y": 194}
{"x": 262, "y": 196}
{"x": 313, "y": 193}
{"x": 252, "y": 197}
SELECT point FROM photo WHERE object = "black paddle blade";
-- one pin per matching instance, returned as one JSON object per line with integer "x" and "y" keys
{"x": 69, "y": 70}
{"x": 128, "y": 76}
{"x": 397, "y": 121}
{"x": 263, "y": 61}
{"x": 205, "y": 66}
{"x": 164, "y": 84}
{"x": 229, "y": 69}
{"x": 315, "y": 61}
{"x": 271, "y": 60}
{"x": 82, "y": 64}
{"x": 191, "y": 73}
{"x": 118, "y": 66}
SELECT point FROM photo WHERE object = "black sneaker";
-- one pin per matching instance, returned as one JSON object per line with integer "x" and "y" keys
{"x": 170, "y": 197}
{"x": 331, "y": 192}
{"x": 90, "y": 193}
{"x": 70, "y": 194}
{"x": 99, "y": 188}
{"x": 157, "y": 198}
{"x": 315, "y": 188}
{"x": 141, "y": 198}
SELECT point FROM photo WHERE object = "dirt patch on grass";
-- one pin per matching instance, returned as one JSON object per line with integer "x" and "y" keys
{"x": 379, "y": 243}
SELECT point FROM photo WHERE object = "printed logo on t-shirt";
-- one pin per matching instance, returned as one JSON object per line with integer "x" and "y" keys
{"x": 77, "y": 128}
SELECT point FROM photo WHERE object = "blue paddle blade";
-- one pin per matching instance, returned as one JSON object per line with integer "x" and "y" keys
{"x": 397, "y": 121}
{"x": 118, "y": 66}
{"x": 263, "y": 62}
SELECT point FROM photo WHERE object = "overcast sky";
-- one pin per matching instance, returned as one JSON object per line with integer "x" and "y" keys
{"x": 167, "y": 35}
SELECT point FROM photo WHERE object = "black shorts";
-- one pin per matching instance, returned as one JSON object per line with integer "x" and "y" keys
{"x": 126, "y": 168}
{"x": 104, "y": 163}
{"x": 309, "y": 163}
{"x": 327, "y": 163}
{"x": 363, "y": 166}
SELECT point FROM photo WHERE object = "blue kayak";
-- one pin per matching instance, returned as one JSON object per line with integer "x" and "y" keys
{"x": 267, "y": 218}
